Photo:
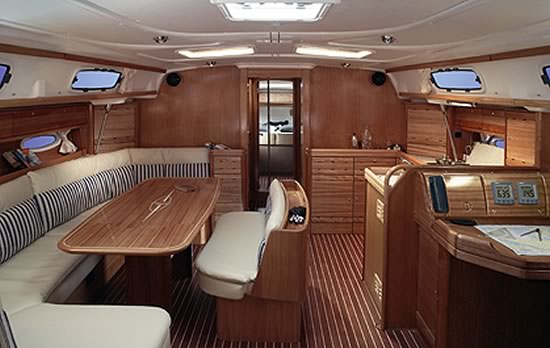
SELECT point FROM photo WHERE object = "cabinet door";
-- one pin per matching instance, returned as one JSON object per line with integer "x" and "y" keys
{"x": 427, "y": 296}
{"x": 374, "y": 245}
{"x": 521, "y": 137}
{"x": 331, "y": 200}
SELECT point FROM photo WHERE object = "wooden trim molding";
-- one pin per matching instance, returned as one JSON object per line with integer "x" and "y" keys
{"x": 479, "y": 99}
{"x": 74, "y": 57}
{"x": 530, "y": 52}
{"x": 84, "y": 97}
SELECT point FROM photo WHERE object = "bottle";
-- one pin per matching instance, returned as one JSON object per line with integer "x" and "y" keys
{"x": 367, "y": 139}
{"x": 354, "y": 141}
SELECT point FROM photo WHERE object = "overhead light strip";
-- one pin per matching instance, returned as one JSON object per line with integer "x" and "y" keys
{"x": 331, "y": 52}
{"x": 216, "y": 53}
{"x": 274, "y": 11}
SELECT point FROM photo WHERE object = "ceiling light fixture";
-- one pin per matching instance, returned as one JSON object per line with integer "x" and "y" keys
{"x": 388, "y": 39}
{"x": 274, "y": 11}
{"x": 161, "y": 39}
{"x": 331, "y": 52}
{"x": 219, "y": 52}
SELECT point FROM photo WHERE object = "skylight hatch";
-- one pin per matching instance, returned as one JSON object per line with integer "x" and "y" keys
{"x": 274, "y": 11}
{"x": 456, "y": 80}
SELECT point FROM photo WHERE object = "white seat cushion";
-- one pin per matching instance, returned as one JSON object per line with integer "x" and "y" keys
{"x": 277, "y": 217}
{"x": 15, "y": 192}
{"x": 33, "y": 274}
{"x": 231, "y": 254}
{"x": 70, "y": 326}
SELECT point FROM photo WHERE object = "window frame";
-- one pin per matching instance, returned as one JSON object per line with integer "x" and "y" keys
{"x": 102, "y": 89}
{"x": 546, "y": 75}
{"x": 466, "y": 90}
{"x": 45, "y": 148}
{"x": 7, "y": 75}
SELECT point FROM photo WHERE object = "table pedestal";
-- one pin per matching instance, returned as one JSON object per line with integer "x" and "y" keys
{"x": 149, "y": 280}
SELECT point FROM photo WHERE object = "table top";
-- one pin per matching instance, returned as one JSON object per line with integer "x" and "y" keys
{"x": 157, "y": 217}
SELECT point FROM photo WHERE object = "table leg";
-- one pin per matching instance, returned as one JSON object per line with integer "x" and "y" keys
{"x": 182, "y": 264}
{"x": 149, "y": 280}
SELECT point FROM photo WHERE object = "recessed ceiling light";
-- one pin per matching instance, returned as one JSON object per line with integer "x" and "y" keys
{"x": 331, "y": 52}
{"x": 274, "y": 11}
{"x": 161, "y": 39}
{"x": 219, "y": 52}
{"x": 211, "y": 63}
{"x": 388, "y": 39}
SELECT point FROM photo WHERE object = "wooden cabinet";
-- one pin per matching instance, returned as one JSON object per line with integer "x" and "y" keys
{"x": 337, "y": 187}
{"x": 521, "y": 139}
{"x": 426, "y": 133}
{"x": 230, "y": 167}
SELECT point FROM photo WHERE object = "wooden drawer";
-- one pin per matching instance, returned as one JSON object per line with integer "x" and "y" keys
{"x": 331, "y": 167}
{"x": 362, "y": 163}
{"x": 227, "y": 165}
{"x": 360, "y": 186}
{"x": 332, "y": 198}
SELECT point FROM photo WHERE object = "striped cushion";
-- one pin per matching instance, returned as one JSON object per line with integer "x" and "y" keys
{"x": 62, "y": 204}
{"x": 123, "y": 179}
{"x": 188, "y": 170}
{"x": 19, "y": 226}
{"x": 7, "y": 338}
{"x": 148, "y": 171}
{"x": 100, "y": 187}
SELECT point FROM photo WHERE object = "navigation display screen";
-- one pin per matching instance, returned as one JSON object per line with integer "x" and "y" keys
{"x": 503, "y": 193}
{"x": 527, "y": 192}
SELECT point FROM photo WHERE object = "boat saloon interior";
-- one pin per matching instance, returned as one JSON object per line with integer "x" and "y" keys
{"x": 283, "y": 173}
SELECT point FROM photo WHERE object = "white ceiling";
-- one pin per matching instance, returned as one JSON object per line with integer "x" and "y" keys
{"x": 426, "y": 30}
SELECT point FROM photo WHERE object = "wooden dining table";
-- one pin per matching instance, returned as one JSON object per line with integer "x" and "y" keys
{"x": 153, "y": 226}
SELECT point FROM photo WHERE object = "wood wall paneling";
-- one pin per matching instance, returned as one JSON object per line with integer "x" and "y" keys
{"x": 120, "y": 128}
{"x": 343, "y": 102}
{"x": 206, "y": 106}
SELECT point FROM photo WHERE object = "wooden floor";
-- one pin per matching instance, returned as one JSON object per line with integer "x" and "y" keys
{"x": 338, "y": 311}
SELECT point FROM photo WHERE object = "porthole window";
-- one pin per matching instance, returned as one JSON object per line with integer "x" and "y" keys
{"x": 5, "y": 75}
{"x": 41, "y": 143}
{"x": 546, "y": 75}
{"x": 456, "y": 80}
{"x": 96, "y": 80}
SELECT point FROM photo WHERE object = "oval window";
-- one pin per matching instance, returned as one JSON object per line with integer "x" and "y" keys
{"x": 456, "y": 80}
{"x": 40, "y": 143}
{"x": 96, "y": 79}
{"x": 5, "y": 75}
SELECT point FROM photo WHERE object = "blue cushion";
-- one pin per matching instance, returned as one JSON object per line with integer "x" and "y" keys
{"x": 7, "y": 338}
{"x": 64, "y": 203}
{"x": 148, "y": 171}
{"x": 188, "y": 170}
{"x": 19, "y": 226}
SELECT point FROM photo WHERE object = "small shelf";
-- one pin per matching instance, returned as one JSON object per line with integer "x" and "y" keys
{"x": 10, "y": 176}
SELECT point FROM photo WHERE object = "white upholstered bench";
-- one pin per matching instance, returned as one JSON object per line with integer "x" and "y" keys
{"x": 40, "y": 208}
{"x": 255, "y": 264}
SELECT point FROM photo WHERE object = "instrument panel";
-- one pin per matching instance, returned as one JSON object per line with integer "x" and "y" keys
{"x": 498, "y": 195}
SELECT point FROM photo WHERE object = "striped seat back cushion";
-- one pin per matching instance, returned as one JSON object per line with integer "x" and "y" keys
{"x": 148, "y": 171}
{"x": 188, "y": 170}
{"x": 110, "y": 183}
{"x": 7, "y": 338}
{"x": 64, "y": 203}
{"x": 20, "y": 225}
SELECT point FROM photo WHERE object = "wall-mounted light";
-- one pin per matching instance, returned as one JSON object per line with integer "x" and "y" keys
{"x": 274, "y": 11}
{"x": 346, "y": 65}
{"x": 211, "y": 63}
{"x": 331, "y": 52}
{"x": 218, "y": 52}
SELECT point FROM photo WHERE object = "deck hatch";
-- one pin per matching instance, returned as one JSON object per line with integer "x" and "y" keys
{"x": 456, "y": 80}
{"x": 546, "y": 75}
{"x": 96, "y": 79}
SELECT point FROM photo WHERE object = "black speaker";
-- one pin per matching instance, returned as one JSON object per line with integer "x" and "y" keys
{"x": 378, "y": 78}
{"x": 173, "y": 79}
